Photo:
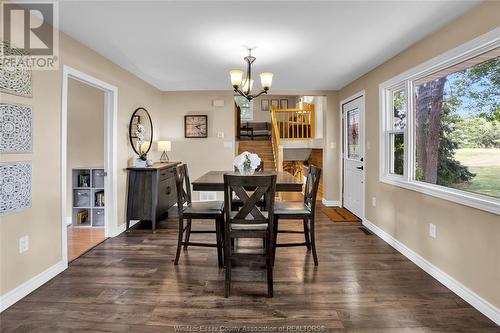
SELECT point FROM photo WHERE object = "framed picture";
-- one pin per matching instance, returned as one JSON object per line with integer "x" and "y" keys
{"x": 264, "y": 105}
{"x": 283, "y": 103}
{"x": 195, "y": 126}
{"x": 275, "y": 104}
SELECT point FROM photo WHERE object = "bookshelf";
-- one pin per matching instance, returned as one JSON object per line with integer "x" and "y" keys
{"x": 87, "y": 197}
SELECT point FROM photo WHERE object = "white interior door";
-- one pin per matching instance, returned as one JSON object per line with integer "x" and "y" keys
{"x": 353, "y": 114}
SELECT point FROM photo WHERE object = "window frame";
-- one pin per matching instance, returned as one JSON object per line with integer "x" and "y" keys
{"x": 405, "y": 80}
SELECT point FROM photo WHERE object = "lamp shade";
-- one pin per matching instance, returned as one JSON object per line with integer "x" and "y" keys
{"x": 236, "y": 77}
{"x": 266, "y": 80}
{"x": 164, "y": 146}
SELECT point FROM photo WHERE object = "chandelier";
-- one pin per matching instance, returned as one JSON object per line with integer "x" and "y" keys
{"x": 237, "y": 81}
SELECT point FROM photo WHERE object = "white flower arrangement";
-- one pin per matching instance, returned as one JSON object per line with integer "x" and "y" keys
{"x": 247, "y": 162}
{"x": 139, "y": 133}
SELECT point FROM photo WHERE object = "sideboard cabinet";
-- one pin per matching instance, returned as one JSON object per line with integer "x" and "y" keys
{"x": 151, "y": 192}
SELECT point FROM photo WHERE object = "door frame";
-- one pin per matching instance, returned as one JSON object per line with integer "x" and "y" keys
{"x": 359, "y": 94}
{"x": 110, "y": 158}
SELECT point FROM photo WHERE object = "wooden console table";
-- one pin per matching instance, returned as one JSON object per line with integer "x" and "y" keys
{"x": 151, "y": 192}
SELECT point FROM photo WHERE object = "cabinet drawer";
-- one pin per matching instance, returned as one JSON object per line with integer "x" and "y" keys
{"x": 167, "y": 173}
{"x": 167, "y": 194}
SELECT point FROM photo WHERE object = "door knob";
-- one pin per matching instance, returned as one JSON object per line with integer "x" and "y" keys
{"x": 360, "y": 168}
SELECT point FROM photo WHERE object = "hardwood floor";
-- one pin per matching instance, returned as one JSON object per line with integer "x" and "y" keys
{"x": 129, "y": 284}
{"x": 80, "y": 240}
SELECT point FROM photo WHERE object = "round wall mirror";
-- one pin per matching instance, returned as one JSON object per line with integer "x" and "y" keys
{"x": 140, "y": 131}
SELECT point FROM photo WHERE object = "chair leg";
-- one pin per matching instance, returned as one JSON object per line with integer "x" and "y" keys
{"x": 188, "y": 234}
{"x": 179, "y": 240}
{"x": 313, "y": 240}
{"x": 306, "y": 235}
{"x": 218, "y": 238}
{"x": 227, "y": 260}
{"x": 274, "y": 240}
{"x": 269, "y": 265}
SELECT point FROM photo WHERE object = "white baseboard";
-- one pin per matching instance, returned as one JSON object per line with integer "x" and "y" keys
{"x": 331, "y": 203}
{"x": 27, "y": 287}
{"x": 482, "y": 305}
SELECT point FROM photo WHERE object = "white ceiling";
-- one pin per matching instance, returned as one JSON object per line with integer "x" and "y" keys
{"x": 314, "y": 45}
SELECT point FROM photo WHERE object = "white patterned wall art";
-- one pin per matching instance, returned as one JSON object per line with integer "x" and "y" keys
{"x": 16, "y": 80}
{"x": 16, "y": 123}
{"x": 15, "y": 186}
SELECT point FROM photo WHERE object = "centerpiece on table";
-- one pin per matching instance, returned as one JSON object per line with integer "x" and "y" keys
{"x": 247, "y": 162}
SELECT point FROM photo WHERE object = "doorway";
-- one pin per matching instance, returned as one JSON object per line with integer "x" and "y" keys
{"x": 88, "y": 162}
{"x": 353, "y": 155}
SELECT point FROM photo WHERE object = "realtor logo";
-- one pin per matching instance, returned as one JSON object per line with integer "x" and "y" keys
{"x": 29, "y": 34}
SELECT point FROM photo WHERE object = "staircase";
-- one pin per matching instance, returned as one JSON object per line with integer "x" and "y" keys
{"x": 263, "y": 148}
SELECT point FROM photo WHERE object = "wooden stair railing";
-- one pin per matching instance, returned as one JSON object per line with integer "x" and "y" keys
{"x": 277, "y": 147}
{"x": 294, "y": 124}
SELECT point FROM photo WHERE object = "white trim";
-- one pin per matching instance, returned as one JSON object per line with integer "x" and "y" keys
{"x": 27, "y": 287}
{"x": 357, "y": 95}
{"x": 330, "y": 203}
{"x": 479, "y": 303}
{"x": 110, "y": 161}
{"x": 471, "y": 49}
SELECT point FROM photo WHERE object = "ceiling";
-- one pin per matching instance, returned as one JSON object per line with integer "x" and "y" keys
{"x": 313, "y": 45}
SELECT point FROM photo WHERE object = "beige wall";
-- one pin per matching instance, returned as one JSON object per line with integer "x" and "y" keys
{"x": 468, "y": 240}
{"x": 201, "y": 155}
{"x": 42, "y": 222}
{"x": 85, "y": 132}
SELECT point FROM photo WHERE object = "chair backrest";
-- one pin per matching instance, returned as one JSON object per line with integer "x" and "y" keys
{"x": 260, "y": 168}
{"x": 312, "y": 185}
{"x": 263, "y": 186}
{"x": 183, "y": 186}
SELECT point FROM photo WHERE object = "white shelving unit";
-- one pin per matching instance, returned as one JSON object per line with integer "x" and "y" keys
{"x": 87, "y": 197}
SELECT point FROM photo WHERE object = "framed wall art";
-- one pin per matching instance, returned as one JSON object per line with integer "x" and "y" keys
{"x": 275, "y": 104}
{"x": 15, "y": 186}
{"x": 16, "y": 128}
{"x": 14, "y": 80}
{"x": 283, "y": 103}
{"x": 195, "y": 126}
{"x": 264, "y": 105}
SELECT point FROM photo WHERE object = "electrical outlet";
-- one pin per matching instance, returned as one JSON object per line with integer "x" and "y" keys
{"x": 374, "y": 201}
{"x": 24, "y": 244}
{"x": 228, "y": 144}
{"x": 432, "y": 230}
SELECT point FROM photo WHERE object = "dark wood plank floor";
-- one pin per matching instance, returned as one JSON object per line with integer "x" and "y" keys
{"x": 129, "y": 284}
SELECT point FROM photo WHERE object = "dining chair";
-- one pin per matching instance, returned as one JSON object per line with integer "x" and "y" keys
{"x": 188, "y": 211}
{"x": 237, "y": 202}
{"x": 304, "y": 211}
{"x": 249, "y": 221}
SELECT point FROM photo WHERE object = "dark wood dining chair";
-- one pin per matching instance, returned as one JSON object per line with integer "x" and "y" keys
{"x": 188, "y": 211}
{"x": 249, "y": 221}
{"x": 303, "y": 211}
{"x": 237, "y": 202}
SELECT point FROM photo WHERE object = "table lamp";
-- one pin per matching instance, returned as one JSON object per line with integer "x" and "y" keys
{"x": 164, "y": 146}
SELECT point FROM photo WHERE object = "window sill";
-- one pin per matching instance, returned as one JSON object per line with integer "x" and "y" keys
{"x": 478, "y": 201}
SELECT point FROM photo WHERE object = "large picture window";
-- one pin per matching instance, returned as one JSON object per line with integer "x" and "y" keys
{"x": 441, "y": 128}
{"x": 246, "y": 107}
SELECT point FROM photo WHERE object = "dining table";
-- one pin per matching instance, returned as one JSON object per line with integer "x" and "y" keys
{"x": 214, "y": 181}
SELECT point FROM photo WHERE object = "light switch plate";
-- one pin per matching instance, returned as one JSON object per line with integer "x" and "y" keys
{"x": 228, "y": 144}
{"x": 220, "y": 135}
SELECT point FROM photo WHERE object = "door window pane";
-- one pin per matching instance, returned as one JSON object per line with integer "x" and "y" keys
{"x": 353, "y": 134}
{"x": 457, "y": 126}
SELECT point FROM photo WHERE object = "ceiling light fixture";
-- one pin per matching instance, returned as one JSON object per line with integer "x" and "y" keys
{"x": 266, "y": 79}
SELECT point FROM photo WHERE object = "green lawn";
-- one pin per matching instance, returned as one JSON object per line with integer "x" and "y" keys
{"x": 485, "y": 163}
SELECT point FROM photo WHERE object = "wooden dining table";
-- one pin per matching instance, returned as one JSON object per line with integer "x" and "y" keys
{"x": 214, "y": 181}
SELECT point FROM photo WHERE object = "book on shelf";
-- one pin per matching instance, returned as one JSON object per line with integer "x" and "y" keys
{"x": 84, "y": 180}
{"x": 82, "y": 216}
{"x": 99, "y": 199}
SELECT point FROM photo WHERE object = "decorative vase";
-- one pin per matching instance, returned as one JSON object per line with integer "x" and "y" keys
{"x": 246, "y": 170}
{"x": 139, "y": 163}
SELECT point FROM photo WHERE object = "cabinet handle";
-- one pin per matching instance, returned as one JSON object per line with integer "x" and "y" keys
{"x": 169, "y": 190}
